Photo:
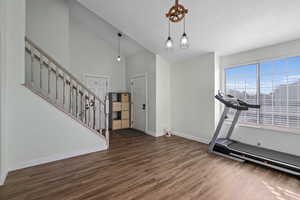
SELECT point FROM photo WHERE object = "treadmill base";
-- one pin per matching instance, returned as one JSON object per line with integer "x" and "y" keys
{"x": 240, "y": 152}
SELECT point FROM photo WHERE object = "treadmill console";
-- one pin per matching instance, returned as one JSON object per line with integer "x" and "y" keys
{"x": 232, "y": 102}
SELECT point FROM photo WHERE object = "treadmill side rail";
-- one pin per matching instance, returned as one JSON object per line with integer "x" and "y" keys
{"x": 267, "y": 164}
{"x": 218, "y": 129}
{"x": 233, "y": 124}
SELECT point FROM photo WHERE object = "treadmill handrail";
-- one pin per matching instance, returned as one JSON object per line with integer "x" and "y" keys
{"x": 243, "y": 103}
{"x": 231, "y": 105}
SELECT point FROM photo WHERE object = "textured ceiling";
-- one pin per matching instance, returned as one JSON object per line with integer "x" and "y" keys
{"x": 225, "y": 27}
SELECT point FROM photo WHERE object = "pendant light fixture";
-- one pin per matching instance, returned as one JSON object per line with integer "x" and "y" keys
{"x": 184, "y": 40}
{"x": 119, "y": 48}
{"x": 169, "y": 43}
{"x": 176, "y": 14}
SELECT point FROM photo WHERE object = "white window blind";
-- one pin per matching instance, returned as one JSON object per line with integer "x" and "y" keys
{"x": 275, "y": 85}
{"x": 280, "y": 92}
{"x": 241, "y": 82}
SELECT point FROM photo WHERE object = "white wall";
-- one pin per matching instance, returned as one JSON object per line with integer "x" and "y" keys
{"x": 141, "y": 63}
{"x": 12, "y": 46}
{"x": 53, "y": 26}
{"x": 192, "y": 97}
{"x": 218, "y": 74}
{"x": 91, "y": 55}
{"x": 2, "y": 90}
{"x": 47, "y": 24}
{"x": 163, "y": 106}
{"x": 36, "y": 132}
{"x": 277, "y": 140}
{"x": 286, "y": 49}
{"x": 47, "y": 135}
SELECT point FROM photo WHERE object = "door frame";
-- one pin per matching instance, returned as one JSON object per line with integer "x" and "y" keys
{"x": 98, "y": 76}
{"x": 145, "y": 75}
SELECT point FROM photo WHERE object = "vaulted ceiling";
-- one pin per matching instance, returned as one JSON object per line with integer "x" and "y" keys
{"x": 225, "y": 27}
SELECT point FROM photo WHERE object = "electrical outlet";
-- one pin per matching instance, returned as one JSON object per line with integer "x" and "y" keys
{"x": 258, "y": 144}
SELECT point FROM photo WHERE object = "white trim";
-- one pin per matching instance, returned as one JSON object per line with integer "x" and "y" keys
{"x": 257, "y": 63}
{"x": 3, "y": 178}
{"x": 259, "y": 60}
{"x": 270, "y": 128}
{"x": 53, "y": 158}
{"x": 146, "y": 92}
{"x": 160, "y": 134}
{"x": 191, "y": 137}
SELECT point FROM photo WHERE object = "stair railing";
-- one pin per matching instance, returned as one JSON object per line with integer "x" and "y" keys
{"x": 49, "y": 80}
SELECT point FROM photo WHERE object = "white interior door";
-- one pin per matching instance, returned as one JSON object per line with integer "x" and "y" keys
{"x": 99, "y": 85}
{"x": 139, "y": 102}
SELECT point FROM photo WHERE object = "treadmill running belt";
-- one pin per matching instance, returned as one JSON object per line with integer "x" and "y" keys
{"x": 266, "y": 153}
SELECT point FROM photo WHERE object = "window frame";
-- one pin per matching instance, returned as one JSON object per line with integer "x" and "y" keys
{"x": 258, "y": 94}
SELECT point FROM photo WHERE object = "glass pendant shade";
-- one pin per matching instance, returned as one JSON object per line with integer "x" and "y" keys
{"x": 169, "y": 43}
{"x": 184, "y": 41}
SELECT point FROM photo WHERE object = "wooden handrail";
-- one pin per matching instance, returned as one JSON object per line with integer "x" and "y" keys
{"x": 61, "y": 76}
{"x": 50, "y": 59}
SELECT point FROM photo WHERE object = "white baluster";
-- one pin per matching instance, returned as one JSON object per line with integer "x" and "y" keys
{"x": 64, "y": 89}
{"x": 31, "y": 70}
{"x": 41, "y": 71}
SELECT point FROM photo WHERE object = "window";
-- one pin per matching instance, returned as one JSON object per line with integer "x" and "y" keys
{"x": 241, "y": 82}
{"x": 275, "y": 85}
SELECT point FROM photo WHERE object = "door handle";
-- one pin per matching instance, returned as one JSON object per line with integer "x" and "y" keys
{"x": 144, "y": 107}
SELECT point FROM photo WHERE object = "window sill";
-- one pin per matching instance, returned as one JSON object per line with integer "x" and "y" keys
{"x": 272, "y": 128}
{"x": 269, "y": 128}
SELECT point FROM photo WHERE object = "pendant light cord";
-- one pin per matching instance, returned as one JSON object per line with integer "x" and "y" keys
{"x": 184, "y": 25}
{"x": 119, "y": 44}
{"x": 169, "y": 26}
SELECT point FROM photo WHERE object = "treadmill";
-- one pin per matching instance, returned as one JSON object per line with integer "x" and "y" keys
{"x": 244, "y": 152}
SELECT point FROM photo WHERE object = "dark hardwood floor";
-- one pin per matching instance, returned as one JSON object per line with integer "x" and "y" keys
{"x": 144, "y": 167}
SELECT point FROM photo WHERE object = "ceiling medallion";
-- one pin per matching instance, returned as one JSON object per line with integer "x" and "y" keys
{"x": 176, "y": 14}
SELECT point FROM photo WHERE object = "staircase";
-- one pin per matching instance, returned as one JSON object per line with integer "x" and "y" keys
{"x": 49, "y": 80}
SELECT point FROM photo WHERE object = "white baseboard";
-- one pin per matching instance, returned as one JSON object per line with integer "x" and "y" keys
{"x": 56, "y": 158}
{"x": 154, "y": 134}
{"x": 159, "y": 134}
{"x": 148, "y": 132}
{"x": 3, "y": 177}
{"x": 191, "y": 137}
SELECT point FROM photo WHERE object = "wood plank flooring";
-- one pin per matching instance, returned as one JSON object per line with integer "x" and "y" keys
{"x": 145, "y": 168}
